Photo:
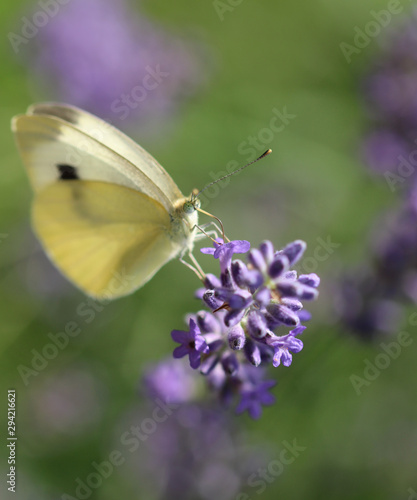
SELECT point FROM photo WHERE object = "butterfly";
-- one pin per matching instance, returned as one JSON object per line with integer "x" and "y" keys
{"x": 107, "y": 214}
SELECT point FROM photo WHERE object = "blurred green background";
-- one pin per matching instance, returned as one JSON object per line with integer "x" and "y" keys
{"x": 263, "y": 55}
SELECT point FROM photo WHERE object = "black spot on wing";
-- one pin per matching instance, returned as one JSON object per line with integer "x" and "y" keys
{"x": 67, "y": 172}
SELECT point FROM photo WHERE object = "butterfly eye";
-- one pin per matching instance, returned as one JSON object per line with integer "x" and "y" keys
{"x": 189, "y": 207}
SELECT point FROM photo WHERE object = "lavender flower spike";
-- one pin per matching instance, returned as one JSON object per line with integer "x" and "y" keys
{"x": 250, "y": 302}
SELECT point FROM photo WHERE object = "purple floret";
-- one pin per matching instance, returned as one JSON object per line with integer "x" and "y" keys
{"x": 192, "y": 344}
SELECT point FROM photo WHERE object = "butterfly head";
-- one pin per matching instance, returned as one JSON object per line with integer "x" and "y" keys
{"x": 192, "y": 204}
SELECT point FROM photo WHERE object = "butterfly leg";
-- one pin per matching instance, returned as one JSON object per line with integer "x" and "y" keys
{"x": 212, "y": 234}
{"x": 195, "y": 266}
{"x": 218, "y": 220}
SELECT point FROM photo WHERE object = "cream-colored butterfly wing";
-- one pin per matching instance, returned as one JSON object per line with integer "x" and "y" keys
{"x": 46, "y": 143}
{"x": 113, "y": 138}
{"x": 108, "y": 221}
{"x": 108, "y": 239}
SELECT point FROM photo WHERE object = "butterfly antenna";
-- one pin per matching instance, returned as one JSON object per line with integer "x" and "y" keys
{"x": 196, "y": 195}
{"x": 269, "y": 151}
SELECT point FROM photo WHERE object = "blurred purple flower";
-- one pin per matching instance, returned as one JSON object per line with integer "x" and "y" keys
{"x": 370, "y": 299}
{"x": 170, "y": 381}
{"x": 390, "y": 92}
{"x": 39, "y": 276}
{"x": 198, "y": 450}
{"x": 256, "y": 396}
{"x": 383, "y": 149}
{"x": 363, "y": 306}
{"x": 104, "y": 57}
{"x": 65, "y": 405}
